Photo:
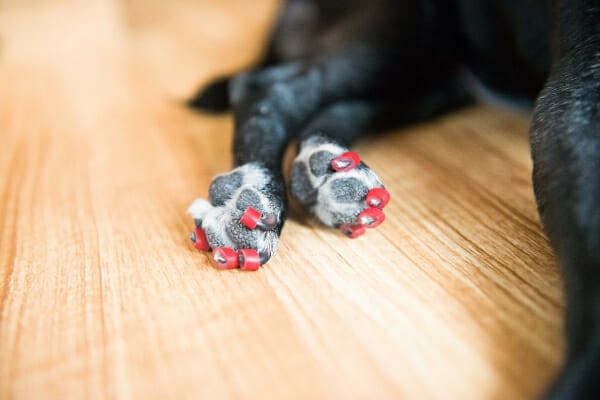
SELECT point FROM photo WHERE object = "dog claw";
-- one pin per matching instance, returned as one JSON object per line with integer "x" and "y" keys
{"x": 198, "y": 237}
{"x": 371, "y": 217}
{"x": 378, "y": 198}
{"x": 249, "y": 259}
{"x": 225, "y": 258}
{"x": 352, "y": 231}
{"x": 246, "y": 259}
{"x": 251, "y": 218}
{"x": 345, "y": 162}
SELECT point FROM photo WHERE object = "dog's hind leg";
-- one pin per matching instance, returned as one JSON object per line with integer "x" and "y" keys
{"x": 565, "y": 138}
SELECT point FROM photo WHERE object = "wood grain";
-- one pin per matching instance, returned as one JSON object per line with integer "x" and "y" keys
{"x": 456, "y": 295}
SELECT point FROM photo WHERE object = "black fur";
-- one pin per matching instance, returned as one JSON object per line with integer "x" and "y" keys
{"x": 337, "y": 68}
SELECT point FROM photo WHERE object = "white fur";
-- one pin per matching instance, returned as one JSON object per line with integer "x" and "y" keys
{"x": 199, "y": 208}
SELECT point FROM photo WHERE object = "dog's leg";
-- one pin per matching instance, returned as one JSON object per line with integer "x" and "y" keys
{"x": 565, "y": 139}
{"x": 292, "y": 39}
{"x": 339, "y": 197}
{"x": 270, "y": 107}
{"x": 361, "y": 60}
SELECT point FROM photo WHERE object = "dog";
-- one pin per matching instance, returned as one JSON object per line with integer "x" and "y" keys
{"x": 335, "y": 69}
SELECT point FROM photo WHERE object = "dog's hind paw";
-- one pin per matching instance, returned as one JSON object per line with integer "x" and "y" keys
{"x": 337, "y": 187}
{"x": 242, "y": 219}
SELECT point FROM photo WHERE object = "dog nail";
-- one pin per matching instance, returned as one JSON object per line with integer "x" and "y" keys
{"x": 198, "y": 237}
{"x": 352, "y": 231}
{"x": 249, "y": 259}
{"x": 378, "y": 197}
{"x": 251, "y": 218}
{"x": 268, "y": 222}
{"x": 225, "y": 258}
{"x": 264, "y": 257}
{"x": 345, "y": 162}
{"x": 371, "y": 217}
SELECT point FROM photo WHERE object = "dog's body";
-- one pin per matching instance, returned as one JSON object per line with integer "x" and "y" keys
{"x": 335, "y": 69}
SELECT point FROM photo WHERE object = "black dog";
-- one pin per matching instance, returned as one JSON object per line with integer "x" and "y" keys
{"x": 337, "y": 68}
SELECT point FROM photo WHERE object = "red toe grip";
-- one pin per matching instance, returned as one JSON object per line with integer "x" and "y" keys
{"x": 371, "y": 217}
{"x": 249, "y": 259}
{"x": 378, "y": 197}
{"x": 251, "y": 218}
{"x": 225, "y": 258}
{"x": 345, "y": 162}
{"x": 352, "y": 231}
{"x": 200, "y": 240}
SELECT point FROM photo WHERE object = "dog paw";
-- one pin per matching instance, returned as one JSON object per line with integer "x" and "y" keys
{"x": 337, "y": 187}
{"x": 242, "y": 219}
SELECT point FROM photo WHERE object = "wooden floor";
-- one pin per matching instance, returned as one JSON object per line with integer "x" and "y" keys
{"x": 455, "y": 296}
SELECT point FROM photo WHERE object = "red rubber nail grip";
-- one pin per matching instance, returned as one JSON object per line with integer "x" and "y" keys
{"x": 251, "y": 218}
{"x": 200, "y": 240}
{"x": 352, "y": 231}
{"x": 345, "y": 162}
{"x": 225, "y": 258}
{"x": 378, "y": 197}
{"x": 249, "y": 259}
